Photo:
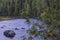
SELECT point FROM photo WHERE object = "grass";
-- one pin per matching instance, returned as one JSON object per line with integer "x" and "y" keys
{"x": 5, "y": 18}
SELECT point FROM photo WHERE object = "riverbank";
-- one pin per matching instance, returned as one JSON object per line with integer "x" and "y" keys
{"x": 4, "y": 18}
{"x": 14, "y": 17}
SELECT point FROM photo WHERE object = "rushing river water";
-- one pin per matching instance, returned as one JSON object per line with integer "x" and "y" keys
{"x": 22, "y": 26}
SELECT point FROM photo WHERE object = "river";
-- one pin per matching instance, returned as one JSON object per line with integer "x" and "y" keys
{"x": 22, "y": 26}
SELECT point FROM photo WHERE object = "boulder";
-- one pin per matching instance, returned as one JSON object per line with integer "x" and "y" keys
{"x": 9, "y": 33}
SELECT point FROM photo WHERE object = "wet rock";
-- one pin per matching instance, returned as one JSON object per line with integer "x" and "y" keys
{"x": 9, "y": 33}
{"x": 16, "y": 29}
{"x": 22, "y": 28}
{"x": 2, "y": 27}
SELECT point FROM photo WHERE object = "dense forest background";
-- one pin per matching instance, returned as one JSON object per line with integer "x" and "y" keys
{"x": 25, "y": 8}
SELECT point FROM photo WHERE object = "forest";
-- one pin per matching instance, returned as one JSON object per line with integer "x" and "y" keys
{"x": 23, "y": 8}
{"x": 47, "y": 11}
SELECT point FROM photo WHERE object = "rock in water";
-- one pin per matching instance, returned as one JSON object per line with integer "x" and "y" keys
{"x": 9, "y": 33}
{"x": 16, "y": 29}
{"x": 22, "y": 28}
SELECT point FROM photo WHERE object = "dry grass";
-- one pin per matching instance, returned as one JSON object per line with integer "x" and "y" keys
{"x": 5, "y": 18}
